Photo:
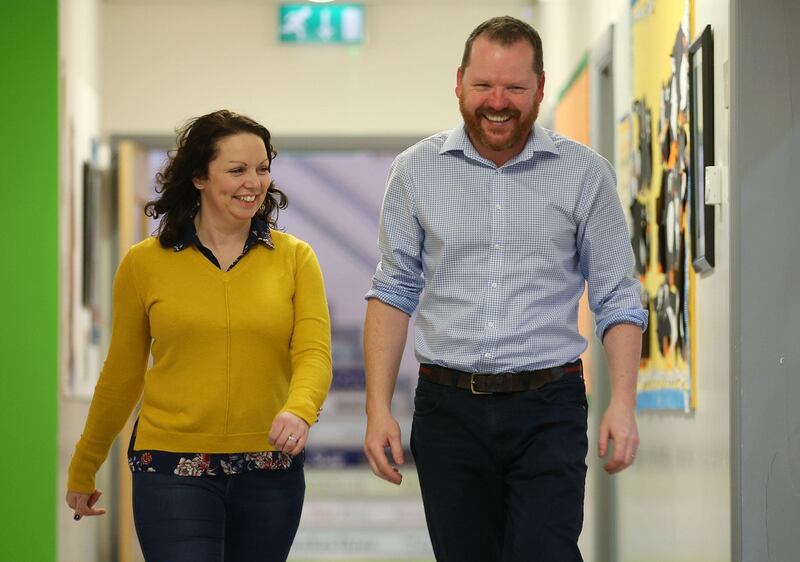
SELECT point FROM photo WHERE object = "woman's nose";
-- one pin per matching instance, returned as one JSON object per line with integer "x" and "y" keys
{"x": 251, "y": 179}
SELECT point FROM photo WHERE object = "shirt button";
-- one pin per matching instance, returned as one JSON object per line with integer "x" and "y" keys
{"x": 494, "y": 285}
{"x": 498, "y": 206}
{"x": 490, "y": 324}
{"x": 487, "y": 355}
{"x": 497, "y": 246}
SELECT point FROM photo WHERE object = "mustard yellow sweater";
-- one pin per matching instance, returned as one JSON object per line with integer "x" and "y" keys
{"x": 230, "y": 351}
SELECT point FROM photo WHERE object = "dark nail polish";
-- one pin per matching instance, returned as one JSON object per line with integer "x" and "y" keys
{"x": 76, "y": 517}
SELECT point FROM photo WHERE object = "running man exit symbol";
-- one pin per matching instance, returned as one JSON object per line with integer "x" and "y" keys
{"x": 304, "y": 24}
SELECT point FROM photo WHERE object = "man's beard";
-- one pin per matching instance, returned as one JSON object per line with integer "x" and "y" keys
{"x": 521, "y": 128}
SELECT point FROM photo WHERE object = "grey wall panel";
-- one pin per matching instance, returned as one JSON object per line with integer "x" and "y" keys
{"x": 765, "y": 199}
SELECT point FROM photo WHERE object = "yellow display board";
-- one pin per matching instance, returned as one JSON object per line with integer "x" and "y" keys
{"x": 657, "y": 137}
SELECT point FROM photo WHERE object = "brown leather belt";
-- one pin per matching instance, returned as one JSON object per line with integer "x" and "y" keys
{"x": 485, "y": 383}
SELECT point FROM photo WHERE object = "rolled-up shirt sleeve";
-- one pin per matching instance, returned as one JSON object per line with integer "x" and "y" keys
{"x": 398, "y": 279}
{"x": 605, "y": 253}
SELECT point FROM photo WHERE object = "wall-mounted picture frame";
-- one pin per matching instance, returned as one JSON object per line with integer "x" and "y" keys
{"x": 91, "y": 211}
{"x": 701, "y": 143}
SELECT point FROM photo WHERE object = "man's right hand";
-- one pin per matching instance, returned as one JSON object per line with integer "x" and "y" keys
{"x": 383, "y": 432}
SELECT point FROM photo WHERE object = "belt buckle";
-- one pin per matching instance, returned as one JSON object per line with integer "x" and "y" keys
{"x": 472, "y": 385}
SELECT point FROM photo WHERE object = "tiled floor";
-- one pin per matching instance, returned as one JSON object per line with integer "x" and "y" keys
{"x": 351, "y": 515}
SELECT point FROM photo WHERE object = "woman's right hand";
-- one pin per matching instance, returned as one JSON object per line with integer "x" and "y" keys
{"x": 83, "y": 504}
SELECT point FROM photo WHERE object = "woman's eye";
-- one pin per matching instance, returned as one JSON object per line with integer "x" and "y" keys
{"x": 263, "y": 170}
{"x": 236, "y": 171}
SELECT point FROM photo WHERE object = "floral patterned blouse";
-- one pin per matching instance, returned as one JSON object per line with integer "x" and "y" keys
{"x": 211, "y": 464}
{"x": 206, "y": 464}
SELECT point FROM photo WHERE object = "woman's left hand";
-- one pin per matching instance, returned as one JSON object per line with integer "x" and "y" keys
{"x": 288, "y": 433}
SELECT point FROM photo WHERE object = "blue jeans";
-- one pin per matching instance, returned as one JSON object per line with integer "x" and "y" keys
{"x": 248, "y": 517}
{"x": 502, "y": 475}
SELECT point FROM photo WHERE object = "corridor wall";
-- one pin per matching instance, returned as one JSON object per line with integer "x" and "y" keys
{"x": 674, "y": 504}
{"x": 29, "y": 283}
{"x": 85, "y": 272}
{"x": 162, "y": 63}
{"x": 765, "y": 268}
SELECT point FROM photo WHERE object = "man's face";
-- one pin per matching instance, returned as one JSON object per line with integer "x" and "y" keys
{"x": 499, "y": 95}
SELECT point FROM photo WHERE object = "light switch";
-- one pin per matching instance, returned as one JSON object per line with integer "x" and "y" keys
{"x": 714, "y": 185}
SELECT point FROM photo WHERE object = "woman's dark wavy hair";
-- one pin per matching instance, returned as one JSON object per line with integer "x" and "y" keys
{"x": 197, "y": 147}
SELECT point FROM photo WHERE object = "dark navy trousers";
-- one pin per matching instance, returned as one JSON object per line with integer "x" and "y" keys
{"x": 502, "y": 475}
{"x": 248, "y": 517}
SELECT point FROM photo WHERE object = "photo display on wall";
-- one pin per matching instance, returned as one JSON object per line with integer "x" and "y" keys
{"x": 659, "y": 200}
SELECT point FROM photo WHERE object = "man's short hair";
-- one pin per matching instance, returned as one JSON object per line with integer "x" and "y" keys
{"x": 506, "y": 31}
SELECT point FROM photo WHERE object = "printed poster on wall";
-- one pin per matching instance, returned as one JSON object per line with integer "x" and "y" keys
{"x": 657, "y": 200}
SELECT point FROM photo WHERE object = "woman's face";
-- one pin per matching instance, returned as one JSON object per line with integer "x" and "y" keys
{"x": 237, "y": 182}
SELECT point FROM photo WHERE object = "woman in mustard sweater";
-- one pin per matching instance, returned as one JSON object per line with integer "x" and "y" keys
{"x": 234, "y": 314}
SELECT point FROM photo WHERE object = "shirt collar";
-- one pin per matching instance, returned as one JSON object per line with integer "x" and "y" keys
{"x": 259, "y": 233}
{"x": 538, "y": 141}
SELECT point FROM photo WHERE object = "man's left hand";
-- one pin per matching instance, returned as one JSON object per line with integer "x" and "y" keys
{"x": 619, "y": 425}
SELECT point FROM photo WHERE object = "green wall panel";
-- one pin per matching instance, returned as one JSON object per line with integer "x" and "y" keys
{"x": 29, "y": 279}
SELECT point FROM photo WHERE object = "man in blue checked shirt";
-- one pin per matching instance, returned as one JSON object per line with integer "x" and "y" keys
{"x": 490, "y": 231}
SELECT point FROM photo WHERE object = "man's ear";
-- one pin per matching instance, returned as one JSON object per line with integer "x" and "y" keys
{"x": 540, "y": 89}
{"x": 459, "y": 81}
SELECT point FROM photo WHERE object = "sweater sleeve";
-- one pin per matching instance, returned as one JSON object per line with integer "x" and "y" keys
{"x": 310, "y": 347}
{"x": 121, "y": 379}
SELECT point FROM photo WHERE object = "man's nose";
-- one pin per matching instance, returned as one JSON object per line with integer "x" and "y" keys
{"x": 498, "y": 99}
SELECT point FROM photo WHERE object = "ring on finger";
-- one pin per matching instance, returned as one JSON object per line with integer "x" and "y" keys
{"x": 291, "y": 438}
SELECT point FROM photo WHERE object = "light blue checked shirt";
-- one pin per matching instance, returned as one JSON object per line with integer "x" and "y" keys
{"x": 496, "y": 258}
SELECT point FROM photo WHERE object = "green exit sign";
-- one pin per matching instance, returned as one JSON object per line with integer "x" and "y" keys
{"x": 335, "y": 24}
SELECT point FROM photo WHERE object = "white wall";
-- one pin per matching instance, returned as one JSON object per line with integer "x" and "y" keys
{"x": 79, "y": 128}
{"x": 163, "y": 62}
{"x": 569, "y": 28}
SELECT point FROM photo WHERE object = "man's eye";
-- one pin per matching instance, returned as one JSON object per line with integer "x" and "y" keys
{"x": 517, "y": 89}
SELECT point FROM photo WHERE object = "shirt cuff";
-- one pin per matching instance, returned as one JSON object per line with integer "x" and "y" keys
{"x": 635, "y": 317}
{"x": 406, "y": 304}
